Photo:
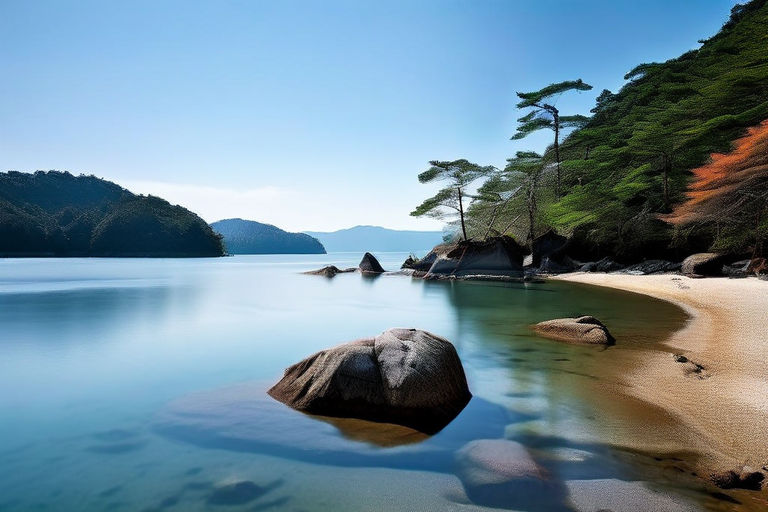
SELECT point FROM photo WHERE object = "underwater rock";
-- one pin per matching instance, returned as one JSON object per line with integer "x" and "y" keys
{"x": 244, "y": 418}
{"x": 501, "y": 473}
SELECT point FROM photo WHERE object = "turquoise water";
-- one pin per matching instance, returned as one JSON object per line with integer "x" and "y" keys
{"x": 94, "y": 353}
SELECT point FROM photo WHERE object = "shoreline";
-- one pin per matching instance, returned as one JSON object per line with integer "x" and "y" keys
{"x": 726, "y": 404}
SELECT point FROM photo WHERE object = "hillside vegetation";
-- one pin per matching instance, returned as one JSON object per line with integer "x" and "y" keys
{"x": 58, "y": 214}
{"x": 630, "y": 164}
{"x": 250, "y": 237}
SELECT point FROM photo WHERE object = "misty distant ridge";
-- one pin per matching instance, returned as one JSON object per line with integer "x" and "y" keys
{"x": 377, "y": 238}
{"x": 250, "y": 237}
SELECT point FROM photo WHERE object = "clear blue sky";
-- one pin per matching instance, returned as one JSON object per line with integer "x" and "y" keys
{"x": 310, "y": 115}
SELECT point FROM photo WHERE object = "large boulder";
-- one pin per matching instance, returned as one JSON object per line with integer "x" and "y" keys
{"x": 608, "y": 265}
{"x": 403, "y": 376}
{"x": 370, "y": 265}
{"x": 584, "y": 330}
{"x": 494, "y": 257}
{"x": 501, "y": 473}
{"x": 703, "y": 264}
{"x": 551, "y": 246}
{"x": 652, "y": 267}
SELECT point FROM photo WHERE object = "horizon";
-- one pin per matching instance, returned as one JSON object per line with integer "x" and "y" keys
{"x": 291, "y": 127}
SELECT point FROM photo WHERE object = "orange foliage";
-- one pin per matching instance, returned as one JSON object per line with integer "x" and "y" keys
{"x": 726, "y": 183}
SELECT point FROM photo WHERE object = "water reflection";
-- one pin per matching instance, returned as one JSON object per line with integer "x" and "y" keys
{"x": 92, "y": 428}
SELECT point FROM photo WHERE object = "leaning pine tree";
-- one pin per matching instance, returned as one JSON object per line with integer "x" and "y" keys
{"x": 453, "y": 199}
{"x": 544, "y": 115}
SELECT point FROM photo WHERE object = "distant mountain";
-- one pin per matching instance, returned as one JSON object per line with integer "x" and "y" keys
{"x": 250, "y": 237}
{"x": 375, "y": 238}
{"x": 57, "y": 214}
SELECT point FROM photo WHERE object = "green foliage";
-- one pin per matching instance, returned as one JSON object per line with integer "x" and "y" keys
{"x": 453, "y": 199}
{"x": 533, "y": 99}
{"x": 56, "y": 213}
{"x": 631, "y": 161}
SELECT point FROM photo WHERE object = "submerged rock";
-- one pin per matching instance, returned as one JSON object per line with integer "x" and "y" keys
{"x": 703, "y": 264}
{"x": 240, "y": 493}
{"x": 329, "y": 271}
{"x": 369, "y": 264}
{"x": 585, "y": 330}
{"x": 494, "y": 257}
{"x": 501, "y": 473}
{"x": 404, "y": 376}
{"x": 243, "y": 418}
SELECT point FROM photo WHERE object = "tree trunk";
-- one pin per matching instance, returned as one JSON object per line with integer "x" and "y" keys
{"x": 665, "y": 181}
{"x": 532, "y": 214}
{"x": 759, "y": 239}
{"x": 461, "y": 215}
{"x": 556, "y": 118}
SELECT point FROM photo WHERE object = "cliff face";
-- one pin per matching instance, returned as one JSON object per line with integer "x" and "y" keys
{"x": 250, "y": 237}
{"x": 58, "y": 214}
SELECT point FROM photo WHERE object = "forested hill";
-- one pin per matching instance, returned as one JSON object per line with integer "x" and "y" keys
{"x": 58, "y": 214}
{"x": 632, "y": 161}
{"x": 250, "y": 237}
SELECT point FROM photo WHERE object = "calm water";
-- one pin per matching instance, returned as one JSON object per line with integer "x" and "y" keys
{"x": 101, "y": 360}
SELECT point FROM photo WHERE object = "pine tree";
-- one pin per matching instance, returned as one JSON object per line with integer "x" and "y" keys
{"x": 459, "y": 174}
{"x": 546, "y": 116}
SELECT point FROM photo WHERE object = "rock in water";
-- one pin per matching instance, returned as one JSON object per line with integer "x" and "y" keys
{"x": 495, "y": 257}
{"x": 370, "y": 264}
{"x": 501, "y": 473}
{"x": 585, "y": 330}
{"x": 329, "y": 271}
{"x": 403, "y": 376}
{"x": 703, "y": 264}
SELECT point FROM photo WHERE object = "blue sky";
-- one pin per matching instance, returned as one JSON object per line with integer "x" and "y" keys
{"x": 309, "y": 115}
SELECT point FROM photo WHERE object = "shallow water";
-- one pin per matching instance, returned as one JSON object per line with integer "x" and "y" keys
{"x": 93, "y": 351}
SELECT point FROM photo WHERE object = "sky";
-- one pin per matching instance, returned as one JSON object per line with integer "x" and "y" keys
{"x": 310, "y": 115}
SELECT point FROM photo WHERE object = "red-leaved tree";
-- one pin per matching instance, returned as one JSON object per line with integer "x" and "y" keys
{"x": 731, "y": 191}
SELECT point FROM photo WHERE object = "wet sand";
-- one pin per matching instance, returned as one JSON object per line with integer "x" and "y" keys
{"x": 723, "y": 405}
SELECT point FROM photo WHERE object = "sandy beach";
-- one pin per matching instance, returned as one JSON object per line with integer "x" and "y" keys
{"x": 725, "y": 402}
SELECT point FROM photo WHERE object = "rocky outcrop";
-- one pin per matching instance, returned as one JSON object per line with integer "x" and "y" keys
{"x": 493, "y": 257}
{"x": 604, "y": 265}
{"x": 370, "y": 265}
{"x": 744, "y": 478}
{"x": 501, "y": 473}
{"x": 329, "y": 271}
{"x": 403, "y": 376}
{"x": 584, "y": 330}
{"x": 423, "y": 264}
{"x": 558, "y": 266}
{"x": 648, "y": 267}
{"x": 549, "y": 246}
{"x": 703, "y": 264}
